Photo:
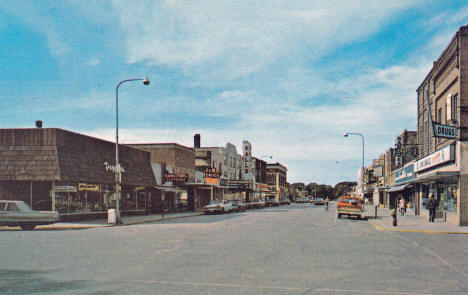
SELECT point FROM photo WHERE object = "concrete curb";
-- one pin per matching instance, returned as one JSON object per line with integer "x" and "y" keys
{"x": 58, "y": 226}
{"x": 158, "y": 219}
{"x": 379, "y": 227}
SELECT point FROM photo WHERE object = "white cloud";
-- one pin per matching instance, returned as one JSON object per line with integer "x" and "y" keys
{"x": 28, "y": 13}
{"x": 237, "y": 38}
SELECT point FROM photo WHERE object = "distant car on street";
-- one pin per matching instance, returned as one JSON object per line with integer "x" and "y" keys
{"x": 237, "y": 205}
{"x": 271, "y": 202}
{"x": 349, "y": 206}
{"x": 319, "y": 202}
{"x": 18, "y": 213}
{"x": 285, "y": 201}
{"x": 216, "y": 206}
{"x": 302, "y": 200}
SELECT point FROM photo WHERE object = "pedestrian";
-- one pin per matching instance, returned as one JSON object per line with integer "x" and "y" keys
{"x": 432, "y": 205}
{"x": 402, "y": 206}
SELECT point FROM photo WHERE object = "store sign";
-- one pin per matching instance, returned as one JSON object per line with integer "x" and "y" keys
{"x": 177, "y": 177}
{"x": 445, "y": 131}
{"x": 444, "y": 155}
{"x": 113, "y": 168}
{"x": 211, "y": 180}
{"x": 65, "y": 189}
{"x": 378, "y": 170}
{"x": 88, "y": 187}
{"x": 404, "y": 174}
{"x": 212, "y": 173}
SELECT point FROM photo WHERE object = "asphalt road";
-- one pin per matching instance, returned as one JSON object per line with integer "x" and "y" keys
{"x": 297, "y": 249}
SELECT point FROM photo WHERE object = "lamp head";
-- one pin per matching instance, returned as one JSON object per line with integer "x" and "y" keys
{"x": 346, "y": 135}
{"x": 146, "y": 81}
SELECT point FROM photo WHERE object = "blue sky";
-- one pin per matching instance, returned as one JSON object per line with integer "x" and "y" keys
{"x": 291, "y": 77}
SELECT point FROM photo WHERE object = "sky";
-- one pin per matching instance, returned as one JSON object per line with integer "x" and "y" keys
{"x": 290, "y": 77}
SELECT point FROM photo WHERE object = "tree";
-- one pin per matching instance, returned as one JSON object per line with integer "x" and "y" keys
{"x": 298, "y": 186}
{"x": 343, "y": 188}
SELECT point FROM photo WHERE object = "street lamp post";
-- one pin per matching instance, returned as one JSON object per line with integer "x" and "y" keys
{"x": 362, "y": 167}
{"x": 118, "y": 169}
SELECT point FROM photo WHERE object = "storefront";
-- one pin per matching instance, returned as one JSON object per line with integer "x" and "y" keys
{"x": 438, "y": 174}
{"x": 403, "y": 188}
{"x": 59, "y": 170}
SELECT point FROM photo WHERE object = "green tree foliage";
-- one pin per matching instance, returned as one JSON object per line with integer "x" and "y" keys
{"x": 298, "y": 186}
{"x": 320, "y": 190}
{"x": 343, "y": 188}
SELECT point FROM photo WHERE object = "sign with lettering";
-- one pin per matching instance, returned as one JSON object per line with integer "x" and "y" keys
{"x": 211, "y": 180}
{"x": 88, "y": 187}
{"x": 445, "y": 131}
{"x": 113, "y": 168}
{"x": 212, "y": 173}
{"x": 444, "y": 155}
{"x": 404, "y": 174}
{"x": 177, "y": 177}
{"x": 65, "y": 189}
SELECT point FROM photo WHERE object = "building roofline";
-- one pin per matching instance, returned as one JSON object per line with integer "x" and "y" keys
{"x": 441, "y": 55}
{"x": 160, "y": 144}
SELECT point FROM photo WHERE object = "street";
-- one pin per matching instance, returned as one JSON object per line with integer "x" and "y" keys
{"x": 296, "y": 249}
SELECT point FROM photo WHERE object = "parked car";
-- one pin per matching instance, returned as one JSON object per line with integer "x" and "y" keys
{"x": 18, "y": 213}
{"x": 237, "y": 205}
{"x": 319, "y": 202}
{"x": 285, "y": 201}
{"x": 271, "y": 202}
{"x": 349, "y": 206}
{"x": 216, "y": 206}
{"x": 302, "y": 200}
{"x": 257, "y": 204}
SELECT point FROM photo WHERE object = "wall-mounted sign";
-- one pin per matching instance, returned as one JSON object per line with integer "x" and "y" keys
{"x": 211, "y": 180}
{"x": 113, "y": 168}
{"x": 445, "y": 131}
{"x": 212, "y": 173}
{"x": 406, "y": 150}
{"x": 88, "y": 187}
{"x": 65, "y": 189}
{"x": 444, "y": 155}
{"x": 404, "y": 174}
{"x": 177, "y": 177}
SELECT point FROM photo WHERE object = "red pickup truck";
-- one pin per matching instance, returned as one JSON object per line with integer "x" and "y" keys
{"x": 350, "y": 206}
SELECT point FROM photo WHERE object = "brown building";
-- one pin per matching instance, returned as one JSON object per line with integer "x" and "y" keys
{"x": 277, "y": 180}
{"x": 442, "y": 166}
{"x": 55, "y": 169}
{"x": 174, "y": 167}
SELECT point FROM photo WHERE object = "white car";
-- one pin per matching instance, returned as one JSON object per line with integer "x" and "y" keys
{"x": 216, "y": 206}
{"x": 18, "y": 213}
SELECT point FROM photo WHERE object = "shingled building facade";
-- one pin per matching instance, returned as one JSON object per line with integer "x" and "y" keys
{"x": 55, "y": 169}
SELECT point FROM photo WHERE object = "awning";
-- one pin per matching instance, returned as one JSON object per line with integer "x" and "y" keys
{"x": 435, "y": 176}
{"x": 397, "y": 188}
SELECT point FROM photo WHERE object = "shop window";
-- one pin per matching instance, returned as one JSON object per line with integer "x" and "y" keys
{"x": 447, "y": 195}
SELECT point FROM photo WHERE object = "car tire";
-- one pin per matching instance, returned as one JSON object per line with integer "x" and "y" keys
{"x": 28, "y": 226}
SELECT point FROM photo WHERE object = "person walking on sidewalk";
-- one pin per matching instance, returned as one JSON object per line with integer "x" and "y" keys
{"x": 402, "y": 206}
{"x": 432, "y": 205}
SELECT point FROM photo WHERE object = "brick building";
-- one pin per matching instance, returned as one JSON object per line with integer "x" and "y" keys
{"x": 442, "y": 165}
{"x": 277, "y": 180}
{"x": 174, "y": 167}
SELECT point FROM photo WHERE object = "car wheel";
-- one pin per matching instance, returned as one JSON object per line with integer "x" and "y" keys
{"x": 28, "y": 226}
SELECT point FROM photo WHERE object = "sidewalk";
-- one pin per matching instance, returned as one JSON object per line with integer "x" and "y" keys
{"x": 126, "y": 220}
{"x": 411, "y": 223}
